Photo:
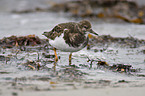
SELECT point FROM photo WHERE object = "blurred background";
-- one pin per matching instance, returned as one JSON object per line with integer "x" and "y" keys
{"x": 9, "y": 5}
{"x": 23, "y": 17}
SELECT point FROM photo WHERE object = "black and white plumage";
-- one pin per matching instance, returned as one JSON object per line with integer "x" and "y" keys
{"x": 71, "y": 36}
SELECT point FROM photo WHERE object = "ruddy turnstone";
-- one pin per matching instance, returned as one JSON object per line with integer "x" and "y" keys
{"x": 69, "y": 37}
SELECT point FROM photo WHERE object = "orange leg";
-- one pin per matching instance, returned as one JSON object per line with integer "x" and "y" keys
{"x": 56, "y": 58}
{"x": 70, "y": 55}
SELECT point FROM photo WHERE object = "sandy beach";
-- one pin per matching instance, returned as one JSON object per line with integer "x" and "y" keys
{"x": 121, "y": 91}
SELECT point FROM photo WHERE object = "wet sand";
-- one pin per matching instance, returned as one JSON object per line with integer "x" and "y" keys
{"x": 100, "y": 92}
{"x": 121, "y": 91}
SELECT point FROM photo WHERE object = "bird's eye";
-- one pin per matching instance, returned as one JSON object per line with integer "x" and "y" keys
{"x": 85, "y": 27}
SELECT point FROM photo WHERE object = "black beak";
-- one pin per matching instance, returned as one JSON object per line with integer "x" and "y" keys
{"x": 93, "y": 32}
{"x": 45, "y": 33}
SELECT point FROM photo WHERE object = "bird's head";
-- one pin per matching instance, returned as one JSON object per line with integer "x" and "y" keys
{"x": 86, "y": 27}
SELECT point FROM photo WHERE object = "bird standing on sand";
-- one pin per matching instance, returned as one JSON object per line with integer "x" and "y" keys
{"x": 69, "y": 37}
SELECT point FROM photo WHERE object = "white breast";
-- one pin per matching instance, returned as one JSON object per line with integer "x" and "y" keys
{"x": 59, "y": 43}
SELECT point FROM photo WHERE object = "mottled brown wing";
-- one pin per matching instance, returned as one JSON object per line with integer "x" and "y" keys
{"x": 73, "y": 39}
{"x": 55, "y": 32}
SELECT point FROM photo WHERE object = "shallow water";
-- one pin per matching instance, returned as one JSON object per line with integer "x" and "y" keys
{"x": 36, "y": 23}
{"x": 15, "y": 76}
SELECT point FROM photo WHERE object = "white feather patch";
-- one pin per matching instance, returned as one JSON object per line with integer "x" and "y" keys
{"x": 59, "y": 43}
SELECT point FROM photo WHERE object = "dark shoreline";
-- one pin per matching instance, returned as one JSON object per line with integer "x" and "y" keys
{"x": 126, "y": 10}
{"x": 32, "y": 40}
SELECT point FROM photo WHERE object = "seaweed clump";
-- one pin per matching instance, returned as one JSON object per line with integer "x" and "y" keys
{"x": 125, "y": 10}
{"x": 130, "y": 42}
{"x": 121, "y": 68}
{"x": 10, "y": 42}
